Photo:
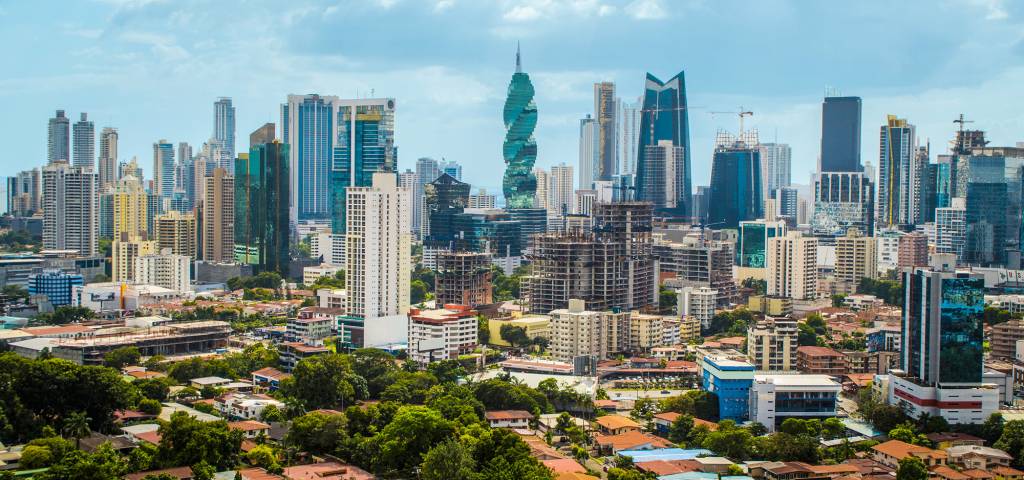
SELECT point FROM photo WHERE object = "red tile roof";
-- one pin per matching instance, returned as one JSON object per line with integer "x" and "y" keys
{"x": 248, "y": 425}
{"x": 564, "y": 465}
{"x": 508, "y": 415}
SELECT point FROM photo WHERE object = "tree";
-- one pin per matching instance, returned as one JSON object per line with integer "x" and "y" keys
{"x": 644, "y": 409}
{"x": 447, "y": 371}
{"x": 501, "y": 454}
{"x": 912, "y": 468}
{"x": 667, "y": 299}
{"x": 263, "y": 456}
{"x": 325, "y": 381}
{"x": 317, "y": 432}
{"x": 732, "y": 442}
{"x": 35, "y": 456}
{"x": 15, "y": 291}
{"x": 376, "y": 366}
{"x": 150, "y": 406}
{"x": 832, "y": 428}
{"x": 76, "y": 426}
{"x": 760, "y": 287}
{"x": 156, "y": 388}
{"x": 1012, "y": 441}
{"x": 187, "y": 441}
{"x": 66, "y": 314}
{"x": 680, "y": 428}
{"x": 409, "y": 436}
{"x": 103, "y": 464}
{"x": 122, "y": 357}
{"x": 271, "y": 413}
{"x": 805, "y": 335}
{"x": 417, "y": 291}
{"x": 514, "y": 335}
{"x": 497, "y": 394}
{"x": 449, "y": 460}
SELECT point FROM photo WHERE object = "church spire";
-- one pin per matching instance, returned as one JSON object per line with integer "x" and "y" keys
{"x": 519, "y": 62}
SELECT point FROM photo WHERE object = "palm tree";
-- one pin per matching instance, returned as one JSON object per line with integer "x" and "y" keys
{"x": 76, "y": 426}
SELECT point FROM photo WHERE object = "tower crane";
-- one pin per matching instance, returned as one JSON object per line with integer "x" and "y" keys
{"x": 741, "y": 113}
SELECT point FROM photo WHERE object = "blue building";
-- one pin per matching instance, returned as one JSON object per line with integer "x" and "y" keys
{"x": 840, "y": 135}
{"x": 366, "y": 145}
{"x": 55, "y": 284}
{"x": 308, "y": 125}
{"x": 664, "y": 118}
{"x": 163, "y": 168}
{"x": 730, "y": 380}
{"x": 736, "y": 193}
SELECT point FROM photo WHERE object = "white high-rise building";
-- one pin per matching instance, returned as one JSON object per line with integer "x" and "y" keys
{"x": 589, "y": 151}
{"x": 224, "y": 133}
{"x": 629, "y": 135}
{"x": 697, "y": 303}
{"x": 793, "y": 266}
{"x": 951, "y": 228}
{"x": 481, "y": 199}
{"x": 70, "y": 208}
{"x": 108, "y": 158}
{"x": 59, "y": 138}
{"x": 164, "y": 269}
{"x": 584, "y": 203}
{"x": 542, "y": 195}
{"x": 776, "y": 160}
{"x": 378, "y": 246}
{"x": 427, "y": 170}
{"x": 897, "y": 149}
{"x": 84, "y": 139}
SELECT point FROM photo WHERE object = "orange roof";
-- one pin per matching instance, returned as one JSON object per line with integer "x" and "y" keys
{"x": 975, "y": 473}
{"x": 271, "y": 372}
{"x": 672, "y": 416}
{"x": 901, "y": 450}
{"x": 149, "y": 437}
{"x": 327, "y": 471}
{"x": 248, "y": 425}
{"x": 833, "y": 469}
{"x": 1006, "y": 471}
{"x": 732, "y": 340}
{"x": 668, "y": 467}
{"x": 564, "y": 465}
{"x": 711, "y": 425}
{"x": 605, "y": 403}
{"x": 948, "y": 473}
{"x": 60, "y": 330}
{"x": 508, "y": 415}
{"x": 813, "y": 351}
{"x": 257, "y": 474}
{"x": 861, "y": 379}
{"x": 631, "y": 440}
{"x": 575, "y": 476}
{"x": 615, "y": 422}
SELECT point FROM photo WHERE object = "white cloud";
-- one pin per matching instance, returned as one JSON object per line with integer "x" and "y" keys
{"x": 527, "y": 10}
{"x": 443, "y": 5}
{"x": 164, "y": 46}
{"x": 646, "y": 10}
{"x": 522, "y": 13}
{"x": 994, "y": 9}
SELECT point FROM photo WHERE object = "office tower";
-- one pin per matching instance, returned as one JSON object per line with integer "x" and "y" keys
{"x": 604, "y": 113}
{"x": 941, "y": 359}
{"x": 59, "y": 139}
{"x": 164, "y": 269}
{"x": 699, "y": 205}
{"x": 541, "y": 198}
{"x": 70, "y": 208}
{"x": 664, "y": 117}
{"x": 463, "y": 278}
{"x": 913, "y": 251}
{"x": 378, "y": 246}
{"x": 176, "y": 233}
{"x": 366, "y": 145}
{"x": 735, "y": 181}
{"x": 56, "y": 284}
{"x": 519, "y": 148}
{"x": 776, "y": 159}
{"x": 481, "y": 199}
{"x": 986, "y": 224}
{"x": 218, "y": 217}
{"x": 613, "y": 266}
{"x": 629, "y": 135}
{"x": 787, "y": 200}
{"x": 589, "y": 150}
{"x": 560, "y": 200}
{"x": 130, "y": 204}
{"x": 920, "y": 187}
{"x": 427, "y": 170}
{"x": 124, "y": 251}
{"x": 163, "y": 168}
{"x": 108, "y": 158}
{"x": 897, "y": 150}
{"x": 261, "y": 203}
{"x": 84, "y": 140}
{"x": 929, "y": 193}
{"x": 203, "y": 165}
{"x": 185, "y": 174}
{"x": 772, "y": 344}
{"x": 452, "y": 168}
{"x": 843, "y": 200}
{"x": 24, "y": 192}
{"x": 309, "y": 127}
{"x": 855, "y": 259}
{"x": 661, "y": 182}
{"x": 443, "y": 198}
{"x": 840, "y": 135}
{"x": 752, "y": 244}
{"x": 224, "y": 131}
{"x": 951, "y": 228}
{"x": 584, "y": 201}
{"x": 793, "y": 266}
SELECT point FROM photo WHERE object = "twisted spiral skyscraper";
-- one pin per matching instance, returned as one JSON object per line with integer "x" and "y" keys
{"x": 520, "y": 148}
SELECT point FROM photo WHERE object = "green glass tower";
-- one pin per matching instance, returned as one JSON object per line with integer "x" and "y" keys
{"x": 520, "y": 148}
{"x": 261, "y": 203}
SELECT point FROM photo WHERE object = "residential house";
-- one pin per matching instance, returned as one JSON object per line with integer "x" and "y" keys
{"x": 508, "y": 418}
{"x": 890, "y": 453}
{"x": 616, "y": 424}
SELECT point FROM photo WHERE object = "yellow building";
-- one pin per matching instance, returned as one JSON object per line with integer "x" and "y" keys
{"x": 124, "y": 251}
{"x": 771, "y": 306}
{"x": 130, "y": 207}
{"x": 176, "y": 231}
{"x": 535, "y": 326}
{"x": 689, "y": 328}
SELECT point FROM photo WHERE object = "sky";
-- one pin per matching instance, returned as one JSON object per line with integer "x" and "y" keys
{"x": 153, "y": 68}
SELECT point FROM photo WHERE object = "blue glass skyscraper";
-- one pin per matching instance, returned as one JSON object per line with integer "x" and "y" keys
{"x": 365, "y": 144}
{"x": 520, "y": 148}
{"x": 163, "y": 168}
{"x": 840, "y": 135}
{"x": 735, "y": 184}
{"x": 663, "y": 117}
{"x": 308, "y": 126}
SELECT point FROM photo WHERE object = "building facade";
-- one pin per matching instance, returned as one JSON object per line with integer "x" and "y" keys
{"x": 261, "y": 195}
{"x": 843, "y": 200}
{"x": 463, "y": 278}
{"x": 840, "y": 135}
{"x": 176, "y": 232}
{"x": 55, "y": 284}
{"x": 164, "y": 269}
{"x": 736, "y": 190}
{"x": 442, "y": 334}
{"x": 84, "y": 139}
{"x": 772, "y": 344}
{"x": 520, "y": 148}
{"x": 664, "y": 117}
{"x": 793, "y": 267}
{"x": 219, "y": 217}
{"x": 855, "y": 259}
{"x": 70, "y": 208}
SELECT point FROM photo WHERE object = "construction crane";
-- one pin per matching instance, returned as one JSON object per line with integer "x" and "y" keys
{"x": 742, "y": 113}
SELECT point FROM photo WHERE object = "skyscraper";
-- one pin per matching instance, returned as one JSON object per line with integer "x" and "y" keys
{"x": 366, "y": 145}
{"x": 218, "y": 217}
{"x": 224, "y": 131}
{"x": 108, "y": 157}
{"x": 519, "y": 148}
{"x": 163, "y": 168}
{"x": 897, "y": 149}
{"x": 542, "y": 197}
{"x": 735, "y": 181}
{"x": 776, "y": 159}
{"x": 124, "y": 251}
{"x": 70, "y": 208}
{"x": 130, "y": 208}
{"x": 664, "y": 118}
{"x": 793, "y": 266}
{"x": 176, "y": 232}
{"x": 840, "y": 135}
{"x": 427, "y": 171}
{"x": 661, "y": 182}
{"x": 560, "y": 201}
{"x": 951, "y": 228}
{"x": 261, "y": 203}
{"x": 309, "y": 127}
{"x": 589, "y": 149}
{"x": 629, "y": 135}
{"x": 59, "y": 138}
{"x": 378, "y": 245}
{"x": 452, "y": 168}
{"x": 24, "y": 192}
{"x": 843, "y": 200}
{"x": 604, "y": 113}
{"x": 856, "y": 258}
{"x": 84, "y": 135}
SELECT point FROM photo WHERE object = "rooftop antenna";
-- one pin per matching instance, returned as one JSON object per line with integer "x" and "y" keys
{"x": 519, "y": 61}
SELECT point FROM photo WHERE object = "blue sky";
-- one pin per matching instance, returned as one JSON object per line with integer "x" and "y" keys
{"x": 153, "y": 68}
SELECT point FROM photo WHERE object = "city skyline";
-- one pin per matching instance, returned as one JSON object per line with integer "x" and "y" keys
{"x": 461, "y": 75}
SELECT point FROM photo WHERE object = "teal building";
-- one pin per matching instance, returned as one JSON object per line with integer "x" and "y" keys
{"x": 520, "y": 148}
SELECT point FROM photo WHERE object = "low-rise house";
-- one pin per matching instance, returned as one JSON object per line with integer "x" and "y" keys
{"x": 629, "y": 440}
{"x": 245, "y": 406}
{"x": 548, "y": 422}
{"x": 890, "y": 453}
{"x": 719, "y": 465}
{"x": 327, "y": 471}
{"x": 661, "y": 468}
{"x": 508, "y": 418}
{"x": 1008, "y": 473}
{"x": 294, "y": 352}
{"x": 663, "y": 422}
{"x": 977, "y": 456}
{"x": 820, "y": 360}
{"x": 944, "y": 440}
{"x": 215, "y": 382}
{"x": 180, "y": 473}
{"x": 269, "y": 378}
{"x": 616, "y": 424}
{"x": 944, "y": 472}
{"x": 250, "y": 428}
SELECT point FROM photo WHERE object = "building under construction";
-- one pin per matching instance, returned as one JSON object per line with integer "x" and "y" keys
{"x": 609, "y": 267}
{"x": 697, "y": 261}
{"x": 169, "y": 339}
{"x": 463, "y": 278}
